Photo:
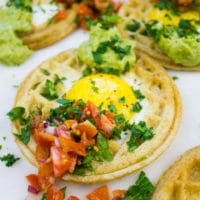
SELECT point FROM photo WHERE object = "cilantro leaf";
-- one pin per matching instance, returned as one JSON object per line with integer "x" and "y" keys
{"x": 112, "y": 108}
{"x": 137, "y": 107}
{"x": 138, "y": 94}
{"x": 25, "y": 135}
{"x": 103, "y": 148}
{"x": 9, "y": 159}
{"x": 139, "y": 133}
{"x": 50, "y": 91}
{"x": 133, "y": 27}
{"x": 141, "y": 190}
{"x": 17, "y": 114}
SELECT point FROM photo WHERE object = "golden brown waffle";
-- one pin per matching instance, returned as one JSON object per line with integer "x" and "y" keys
{"x": 163, "y": 113}
{"x": 139, "y": 10}
{"x": 39, "y": 38}
{"x": 181, "y": 180}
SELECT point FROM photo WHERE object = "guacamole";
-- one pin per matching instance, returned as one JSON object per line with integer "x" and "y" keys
{"x": 14, "y": 22}
{"x": 106, "y": 49}
{"x": 185, "y": 51}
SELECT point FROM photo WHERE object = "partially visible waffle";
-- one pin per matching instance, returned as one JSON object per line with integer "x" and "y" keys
{"x": 181, "y": 181}
{"x": 51, "y": 33}
{"x": 139, "y": 10}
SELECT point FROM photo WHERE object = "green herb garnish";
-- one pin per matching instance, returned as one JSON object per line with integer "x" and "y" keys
{"x": 9, "y": 159}
{"x": 141, "y": 190}
{"x": 137, "y": 107}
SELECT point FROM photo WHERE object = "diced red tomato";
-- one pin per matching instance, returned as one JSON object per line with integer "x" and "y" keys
{"x": 70, "y": 123}
{"x": 116, "y": 4}
{"x": 110, "y": 116}
{"x": 54, "y": 193}
{"x": 105, "y": 125}
{"x": 93, "y": 109}
{"x": 73, "y": 198}
{"x": 61, "y": 14}
{"x": 42, "y": 153}
{"x": 62, "y": 161}
{"x": 85, "y": 140}
{"x": 118, "y": 193}
{"x": 69, "y": 145}
{"x": 33, "y": 181}
{"x": 101, "y": 4}
{"x": 100, "y": 193}
{"x": 88, "y": 128}
{"x": 42, "y": 138}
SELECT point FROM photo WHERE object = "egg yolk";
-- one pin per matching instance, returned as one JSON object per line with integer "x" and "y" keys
{"x": 167, "y": 18}
{"x": 110, "y": 91}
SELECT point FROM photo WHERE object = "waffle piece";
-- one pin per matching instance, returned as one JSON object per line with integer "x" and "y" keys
{"x": 47, "y": 35}
{"x": 139, "y": 10}
{"x": 182, "y": 179}
{"x": 163, "y": 105}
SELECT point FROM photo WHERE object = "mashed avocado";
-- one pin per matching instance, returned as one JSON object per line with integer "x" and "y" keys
{"x": 106, "y": 50}
{"x": 13, "y": 22}
{"x": 185, "y": 51}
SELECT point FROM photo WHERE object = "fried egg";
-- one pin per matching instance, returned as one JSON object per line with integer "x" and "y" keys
{"x": 106, "y": 90}
{"x": 167, "y": 18}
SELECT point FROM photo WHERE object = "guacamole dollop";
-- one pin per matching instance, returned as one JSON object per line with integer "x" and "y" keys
{"x": 106, "y": 51}
{"x": 14, "y": 22}
{"x": 185, "y": 51}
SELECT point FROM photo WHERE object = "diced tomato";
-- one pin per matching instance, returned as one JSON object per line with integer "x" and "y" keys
{"x": 42, "y": 153}
{"x": 93, "y": 109}
{"x": 100, "y": 193}
{"x": 88, "y": 128}
{"x": 70, "y": 123}
{"x": 85, "y": 140}
{"x": 118, "y": 194}
{"x": 61, "y": 14}
{"x": 110, "y": 116}
{"x": 116, "y": 4}
{"x": 69, "y": 145}
{"x": 62, "y": 161}
{"x": 101, "y": 4}
{"x": 33, "y": 181}
{"x": 45, "y": 169}
{"x": 105, "y": 125}
{"x": 73, "y": 198}
{"x": 62, "y": 130}
{"x": 54, "y": 193}
{"x": 42, "y": 138}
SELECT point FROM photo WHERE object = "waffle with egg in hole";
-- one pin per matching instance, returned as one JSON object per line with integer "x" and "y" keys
{"x": 162, "y": 111}
{"x": 182, "y": 179}
{"x": 53, "y": 30}
{"x": 141, "y": 10}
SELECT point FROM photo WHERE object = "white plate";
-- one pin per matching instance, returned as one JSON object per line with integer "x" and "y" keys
{"x": 13, "y": 185}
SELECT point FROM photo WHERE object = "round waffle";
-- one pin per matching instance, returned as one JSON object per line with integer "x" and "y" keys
{"x": 182, "y": 179}
{"x": 163, "y": 105}
{"x": 139, "y": 10}
{"x": 49, "y": 34}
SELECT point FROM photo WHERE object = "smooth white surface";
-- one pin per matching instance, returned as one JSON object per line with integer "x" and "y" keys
{"x": 13, "y": 185}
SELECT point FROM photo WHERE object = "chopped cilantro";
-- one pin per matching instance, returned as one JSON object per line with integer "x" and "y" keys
{"x": 4, "y": 138}
{"x": 103, "y": 152}
{"x": 141, "y": 190}
{"x": 20, "y": 4}
{"x": 17, "y": 114}
{"x": 9, "y": 159}
{"x": 94, "y": 87}
{"x": 137, "y": 107}
{"x": 116, "y": 133}
{"x": 138, "y": 94}
{"x": 63, "y": 190}
{"x": 0, "y": 146}
{"x": 76, "y": 110}
{"x": 119, "y": 119}
{"x": 175, "y": 78}
{"x": 65, "y": 101}
{"x": 25, "y": 134}
{"x": 50, "y": 91}
{"x": 139, "y": 133}
{"x": 112, "y": 108}
{"x": 35, "y": 85}
{"x": 44, "y": 196}
{"x": 45, "y": 72}
{"x": 57, "y": 79}
{"x": 87, "y": 71}
{"x": 133, "y": 27}
{"x": 122, "y": 99}
{"x": 97, "y": 57}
